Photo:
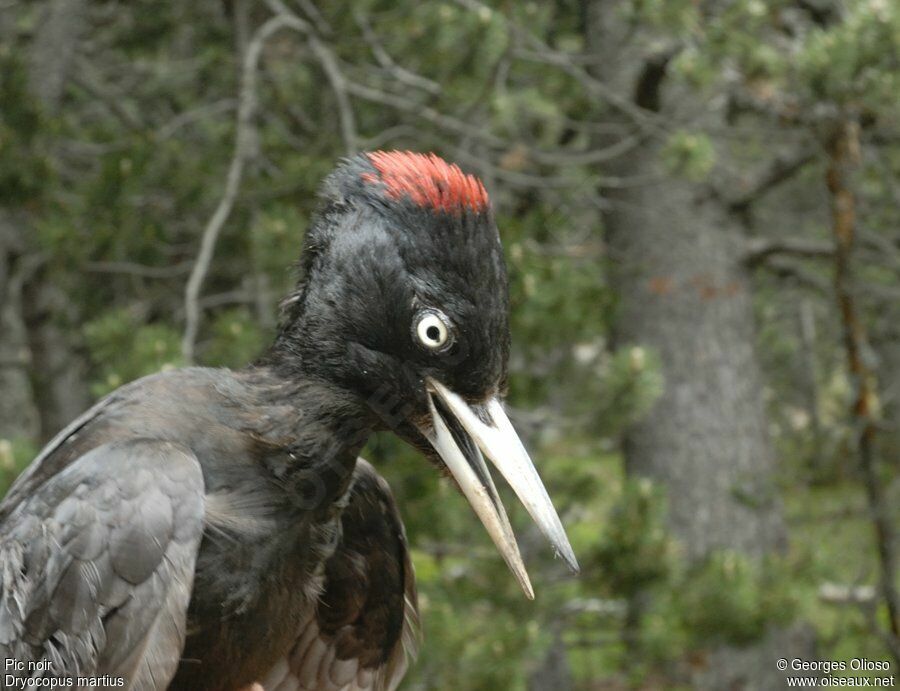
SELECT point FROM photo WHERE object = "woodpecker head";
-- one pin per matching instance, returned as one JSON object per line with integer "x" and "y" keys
{"x": 404, "y": 302}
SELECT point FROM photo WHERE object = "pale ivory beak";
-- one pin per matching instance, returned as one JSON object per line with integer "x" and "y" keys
{"x": 496, "y": 438}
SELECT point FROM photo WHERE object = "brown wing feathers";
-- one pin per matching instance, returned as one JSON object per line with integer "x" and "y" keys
{"x": 366, "y": 623}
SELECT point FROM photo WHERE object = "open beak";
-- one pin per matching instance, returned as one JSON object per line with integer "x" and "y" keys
{"x": 461, "y": 433}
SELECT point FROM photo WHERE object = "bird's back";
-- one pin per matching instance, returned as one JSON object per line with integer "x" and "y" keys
{"x": 199, "y": 407}
{"x": 264, "y": 559}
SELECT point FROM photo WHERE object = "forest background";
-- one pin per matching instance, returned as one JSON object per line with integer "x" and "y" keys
{"x": 699, "y": 202}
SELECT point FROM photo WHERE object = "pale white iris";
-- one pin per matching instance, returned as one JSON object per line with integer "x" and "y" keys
{"x": 432, "y": 330}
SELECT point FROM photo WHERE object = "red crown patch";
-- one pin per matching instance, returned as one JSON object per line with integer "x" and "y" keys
{"x": 427, "y": 180}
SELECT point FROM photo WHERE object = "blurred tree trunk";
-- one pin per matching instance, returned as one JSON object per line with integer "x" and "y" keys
{"x": 51, "y": 318}
{"x": 59, "y": 370}
{"x": 553, "y": 672}
{"x": 52, "y": 54}
{"x": 18, "y": 415}
{"x": 678, "y": 272}
{"x": 683, "y": 292}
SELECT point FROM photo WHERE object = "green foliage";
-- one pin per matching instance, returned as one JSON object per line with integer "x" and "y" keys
{"x": 848, "y": 59}
{"x": 15, "y": 455}
{"x": 634, "y": 552}
{"x": 678, "y": 16}
{"x": 732, "y": 598}
{"x": 236, "y": 339}
{"x": 474, "y": 656}
{"x": 628, "y": 384}
{"x": 23, "y": 165}
{"x": 692, "y": 67}
{"x": 124, "y": 349}
{"x": 854, "y": 61}
{"x": 274, "y": 237}
{"x": 689, "y": 154}
{"x": 125, "y": 176}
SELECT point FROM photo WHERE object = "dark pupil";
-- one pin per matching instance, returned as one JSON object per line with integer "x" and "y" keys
{"x": 433, "y": 333}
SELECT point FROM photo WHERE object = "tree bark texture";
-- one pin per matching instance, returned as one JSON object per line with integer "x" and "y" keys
{"x": 676, "y": 266}
{"x": 18, "y": 415}
{"x": 59, "y": 373}
{"x": 42, "y": 321}
{"x": 676, "y": 263}
{"x": 675, "y": 252}
{"x": 52, "y": 54}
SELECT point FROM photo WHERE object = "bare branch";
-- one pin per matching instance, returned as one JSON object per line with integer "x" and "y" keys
{"x": 231, "y": 297}
{"x": 426, "y": 113}
{"x": 759, "y": 250}
{"x": 243, "y": 147}
{"x": 381, "y": 139}
{"x": 781, "y": 169}
{"x": 880, "y": 292}
{"x": 400, "y": 73}
{"x": 313, "y": 14}
{"x": 884, "y": 248}
{"x": 339, "y": 87}
{"x": 840, "y": 594}
{"x": 225, "y": 105}
{"x": 135, "y": 269}
{"x": 514, "y": 177}
{"x": 793, "y": 271}
{"x": 86, "y": 77}
{"x": 843, "y": 153}
{"x": 643, "y": 119}
{"x": 329, "y": 64}
{"x": 461, "y": 127}
{"x": 586, "y": 158}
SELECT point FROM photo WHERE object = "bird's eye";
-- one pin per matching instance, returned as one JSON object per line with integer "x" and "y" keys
{"x": 432, "y": 329}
